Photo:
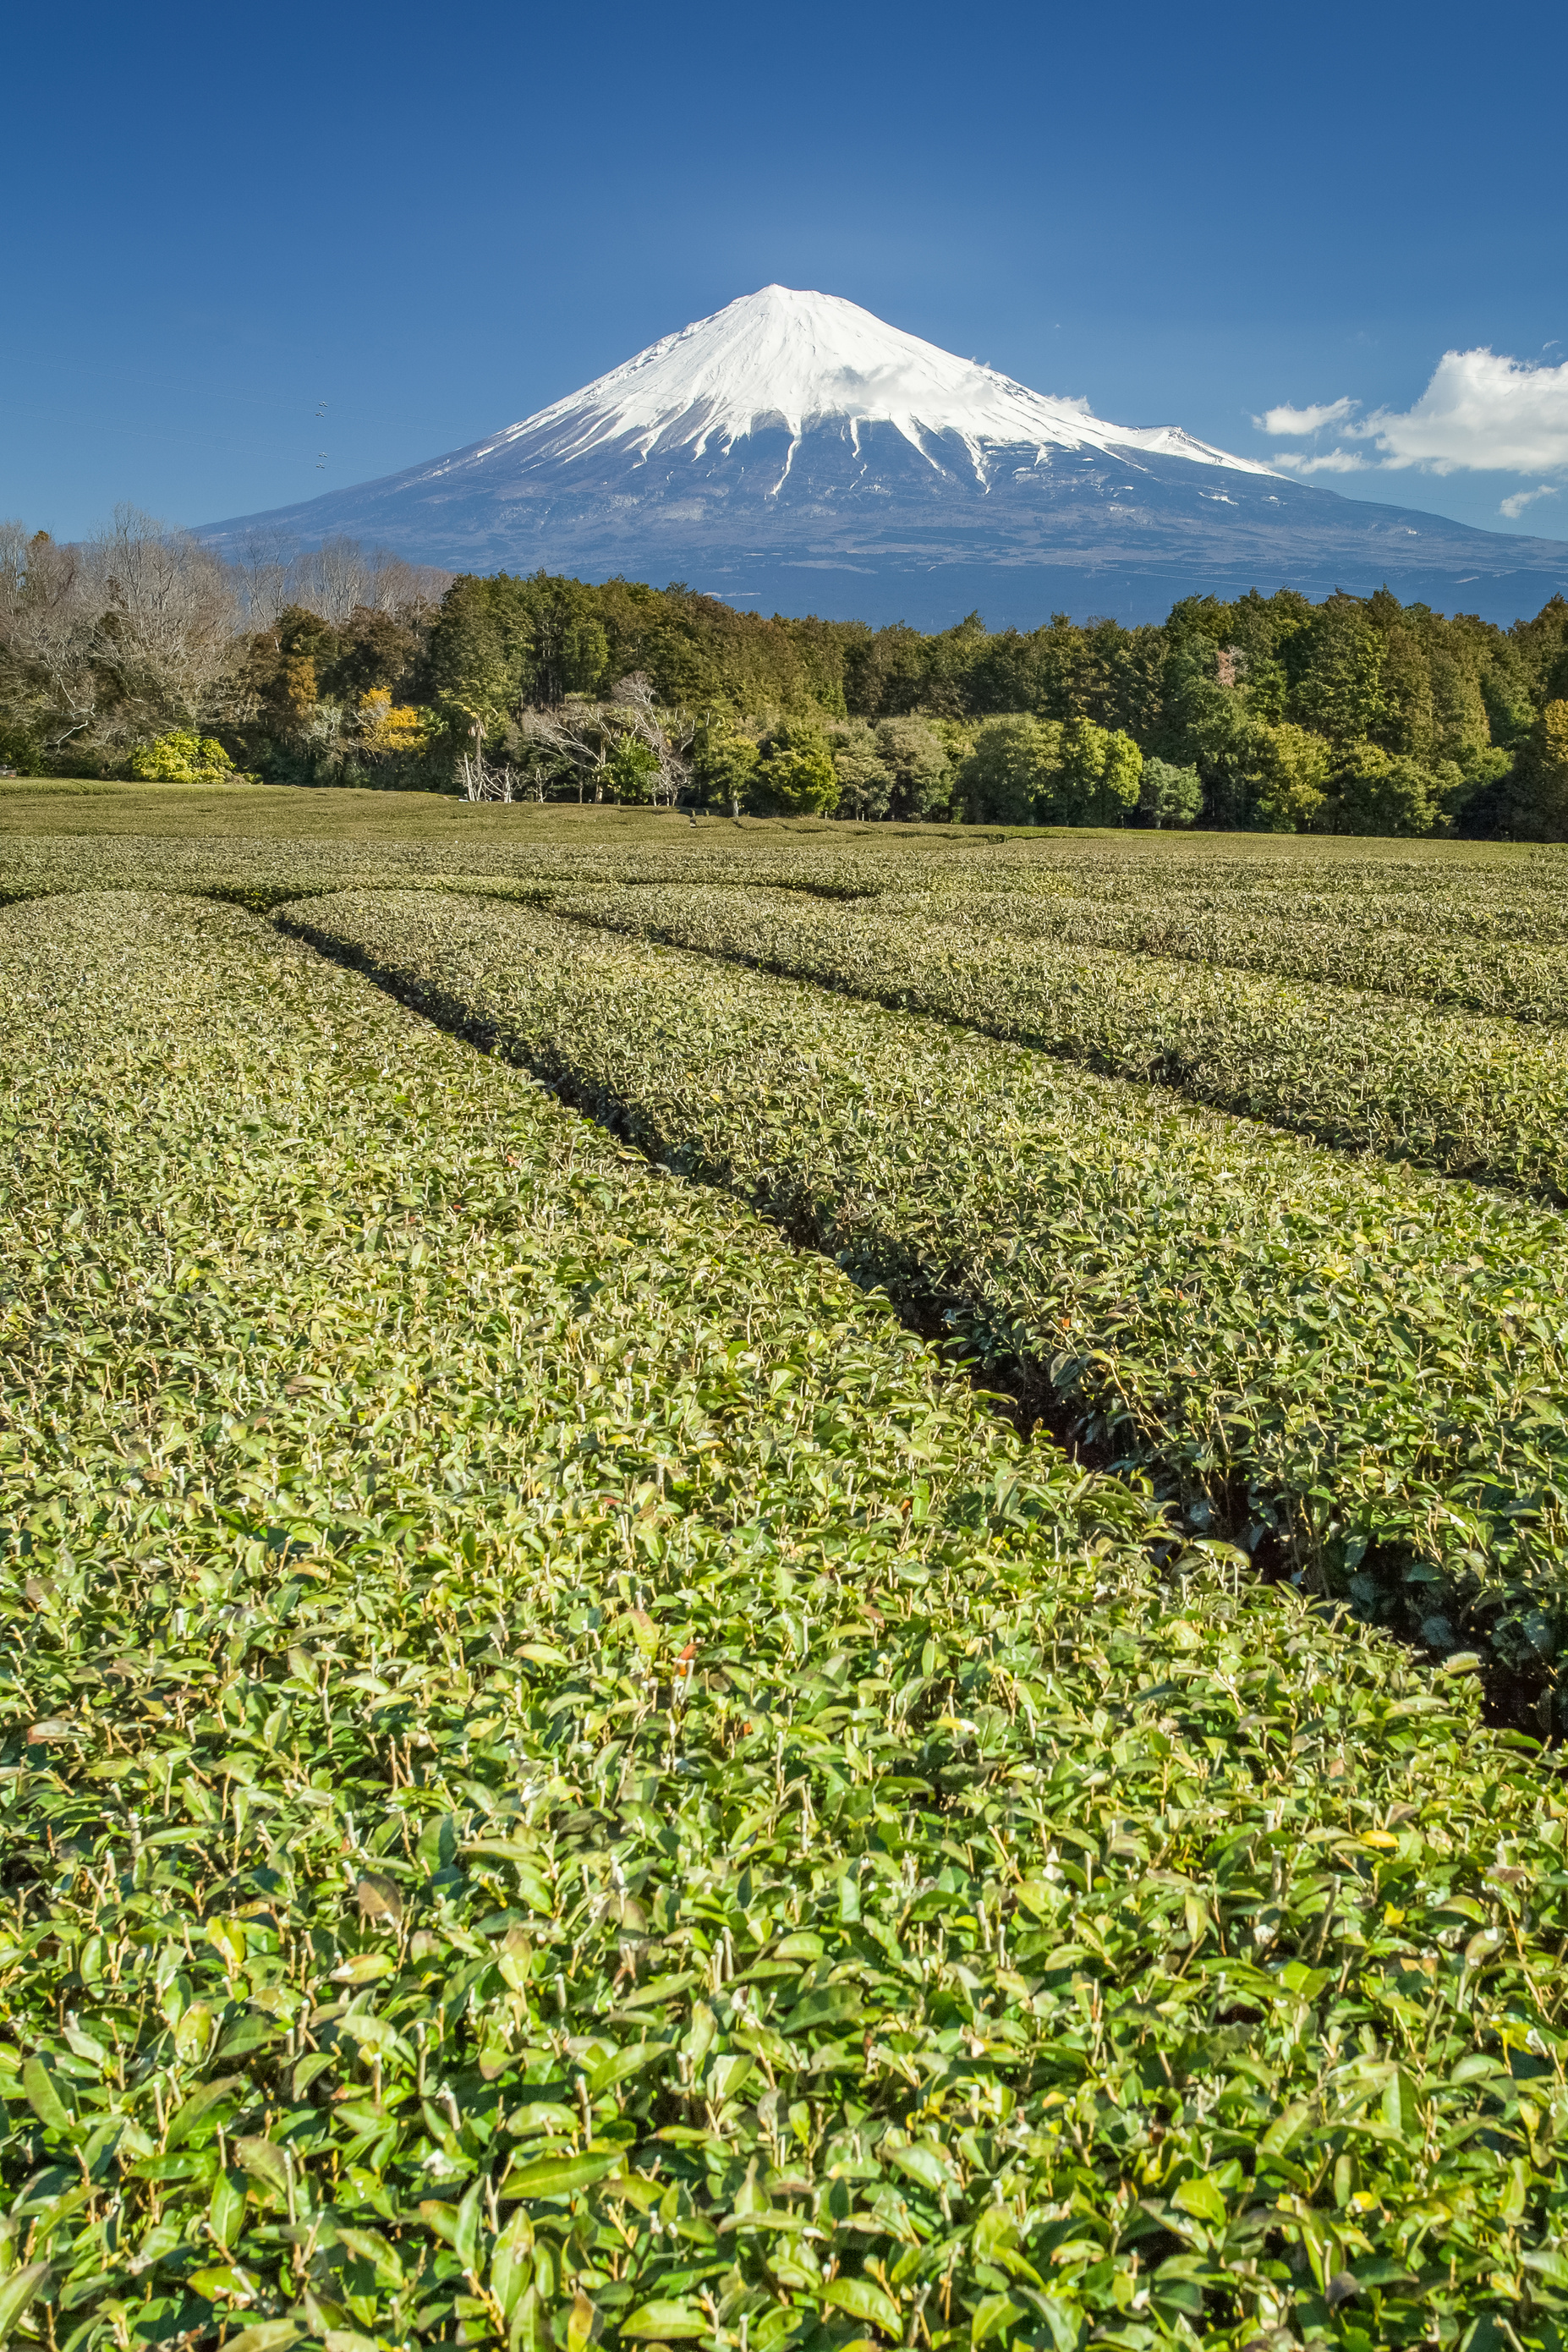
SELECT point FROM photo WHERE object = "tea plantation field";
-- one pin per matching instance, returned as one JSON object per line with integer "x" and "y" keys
{"x": 786, "y": 1586}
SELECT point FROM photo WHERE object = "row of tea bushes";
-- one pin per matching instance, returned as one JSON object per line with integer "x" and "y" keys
{"x": 1519, "y": 981}
{"x": 263, "y": 873}
{"x": 559, "y": 1787}
{"x": 446, "y": 1570}
{"x": 1360, "y": 1366}
{"x": 1483, "y": 1099}
{"x": 450, "y": 845}
{"x": 265, "y": 847}
{"x": 1510, "y": 898}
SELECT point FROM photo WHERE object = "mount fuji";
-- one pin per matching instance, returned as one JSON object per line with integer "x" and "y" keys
{"x": 793, "y": 452}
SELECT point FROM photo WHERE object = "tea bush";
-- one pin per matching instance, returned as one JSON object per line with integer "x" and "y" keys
{"x": 259, "y": 846}
{"x": 1472, "y": 1098}
{"x": 1357, "y": 1364}
{"x": 563, "y": 1783}
{"x": 443, "y": 1563}
{"x": 1278, "y": 934}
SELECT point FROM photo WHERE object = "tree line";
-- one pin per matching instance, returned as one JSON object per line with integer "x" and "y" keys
{"x": 144, "y": 653}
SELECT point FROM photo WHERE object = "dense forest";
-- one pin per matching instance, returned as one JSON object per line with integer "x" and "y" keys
{"x": 143, "y": 654}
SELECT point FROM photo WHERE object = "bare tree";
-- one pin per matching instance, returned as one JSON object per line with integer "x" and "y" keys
{"x": 168, "y": 618}
{"x": 578, "y": 734}
{"x": 263, "y": 567}
{"x": 141, "y": 628}
{"x": 47, "y": 609}
{"x": 668, "y": 735}
{"x": 482, "y": 780}
{"x": 273, "y": 573}
{"x": 341, "y": 576}
{"x": 331, "y": 579}
{"x": 15, "y": 540}
{"x": 584, "y": 736}
{"x": 397, "y": 586}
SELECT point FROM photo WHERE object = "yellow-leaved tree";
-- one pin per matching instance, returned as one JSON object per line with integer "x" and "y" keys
{"x": 386, "y": 727}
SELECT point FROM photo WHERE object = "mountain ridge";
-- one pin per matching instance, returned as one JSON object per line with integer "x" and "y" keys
{"x": 793, "y": 448}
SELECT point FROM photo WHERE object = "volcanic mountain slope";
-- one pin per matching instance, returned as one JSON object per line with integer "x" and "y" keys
{"x": 794, "y": 452}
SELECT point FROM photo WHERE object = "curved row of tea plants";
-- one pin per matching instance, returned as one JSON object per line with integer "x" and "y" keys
{"x": 257, "y": 848}
{"x": 1516, "y": 898}
{"x": 558, "y": 1786}
{"x": 263, "y": 873}
{"x": 1483, "y": 1099}
{"x": 458, "y": 848}
{"x": 1361, "y": 1364}
{"x": 1277, "y": 935}
{"x": 440, "y": 1552}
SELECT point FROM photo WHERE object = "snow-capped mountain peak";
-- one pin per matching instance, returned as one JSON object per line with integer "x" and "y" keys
{"x": 794, "y": 452}
{"x": 804, "y": 362}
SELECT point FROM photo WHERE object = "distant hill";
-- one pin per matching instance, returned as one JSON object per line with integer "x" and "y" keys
{"x": 794, "y": 453}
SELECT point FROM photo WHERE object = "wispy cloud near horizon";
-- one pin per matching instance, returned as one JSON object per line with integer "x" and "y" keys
{"x": 1328, "y": 461}
{"x": 1514, "y": 507}
{"x": 1285, "y": 420}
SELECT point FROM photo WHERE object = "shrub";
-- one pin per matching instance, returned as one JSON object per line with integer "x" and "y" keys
{"x": 181, "y": 757}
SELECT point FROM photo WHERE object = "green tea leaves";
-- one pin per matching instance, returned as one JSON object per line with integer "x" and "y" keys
{"x": 623, "y": 1803}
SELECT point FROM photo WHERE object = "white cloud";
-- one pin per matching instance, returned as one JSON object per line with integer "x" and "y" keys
{"x": 1287, "y": 420}
{"x": 1481, "y": 412}
{"x": 1513, "y": 508}
{"x": 1333, "y": 461}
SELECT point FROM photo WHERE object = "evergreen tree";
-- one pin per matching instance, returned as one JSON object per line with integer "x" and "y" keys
{"x": 1169, "y": 795}
{"x": 1012, "y": 771}
{"x": 723, "y": 766}
{"x": 865, "y": 786}
{"x": 919, "y": 772}
{"x": 1537, "y": 808}
{"x": 1289, "y": 777}
{"x": 796, "y": 776}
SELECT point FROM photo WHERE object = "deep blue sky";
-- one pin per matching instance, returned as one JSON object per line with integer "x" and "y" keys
{"x": 435, "y": 221}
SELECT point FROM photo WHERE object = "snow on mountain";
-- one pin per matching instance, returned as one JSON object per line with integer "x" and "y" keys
{"x": 810, "y": 360}
{"x": 794, "y": 453}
